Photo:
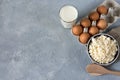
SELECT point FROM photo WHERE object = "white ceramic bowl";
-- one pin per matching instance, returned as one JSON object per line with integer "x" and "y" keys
{"x": 116, "y": 55}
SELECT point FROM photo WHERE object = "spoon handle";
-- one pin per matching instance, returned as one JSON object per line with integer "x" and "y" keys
{"x": 114, "y": 73}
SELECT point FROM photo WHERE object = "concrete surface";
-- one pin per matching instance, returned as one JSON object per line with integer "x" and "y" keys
{"x": 35, "y": 46}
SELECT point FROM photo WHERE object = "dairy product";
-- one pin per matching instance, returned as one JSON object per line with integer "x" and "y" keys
{"x": 68, "y": 15}
{"x": 103, "y": 49}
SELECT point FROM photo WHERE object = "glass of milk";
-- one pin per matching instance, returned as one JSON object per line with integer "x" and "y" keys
{"x": 68, "y": 16}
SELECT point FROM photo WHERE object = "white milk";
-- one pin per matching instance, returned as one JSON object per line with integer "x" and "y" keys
{"x": 68, "y": 15}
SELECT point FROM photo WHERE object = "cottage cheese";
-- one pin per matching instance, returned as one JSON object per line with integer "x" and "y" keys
{"x": 102, "y": 49}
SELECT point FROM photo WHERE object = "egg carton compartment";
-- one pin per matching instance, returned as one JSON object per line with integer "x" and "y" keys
{"x": 97, "y": 22}
{"x": 114, "y": 11}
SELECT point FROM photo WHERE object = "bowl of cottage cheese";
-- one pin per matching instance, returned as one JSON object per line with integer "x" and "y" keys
{"x": 103, "y": 49}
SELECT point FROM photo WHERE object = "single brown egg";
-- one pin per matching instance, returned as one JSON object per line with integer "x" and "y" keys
{"x": 94, "y": 16}
{"x": 93, "y": 30}
{"x": 85, "y": 22}
{"x": 102, "y": 9}
{"x": 77, "y": 30}
{"x": 102, "y": 24}
{"x": 84, "y": 37}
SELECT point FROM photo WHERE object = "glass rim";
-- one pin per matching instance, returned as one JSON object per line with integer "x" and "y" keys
{"x": 70, "y": 6}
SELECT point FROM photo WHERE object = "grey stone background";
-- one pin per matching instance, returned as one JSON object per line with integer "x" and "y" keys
{"x": 35, "y": 46}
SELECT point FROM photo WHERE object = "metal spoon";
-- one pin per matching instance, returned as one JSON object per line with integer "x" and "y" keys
{"x": 97, "y": 70}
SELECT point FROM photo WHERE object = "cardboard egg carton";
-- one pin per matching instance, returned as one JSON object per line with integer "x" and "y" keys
{"x": 114, "y": 11}
{"x": 111, "y": 17}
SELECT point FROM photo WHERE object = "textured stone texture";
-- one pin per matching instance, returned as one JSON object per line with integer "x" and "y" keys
{"x": 35, "y": 46}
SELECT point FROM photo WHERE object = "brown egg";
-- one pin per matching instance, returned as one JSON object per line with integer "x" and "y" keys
{"x": 85, "y": 22}
{"x": 102, "y": 24}
{"x": 94, "y": 16}
{"x": 84, "y": 37}
{"x": 93, "y": 30}
{"x": 77, "y": 30}
{"x": 102, "y": 9}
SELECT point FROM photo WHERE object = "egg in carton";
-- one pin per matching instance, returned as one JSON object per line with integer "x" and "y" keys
{"x": 97, "y": 21}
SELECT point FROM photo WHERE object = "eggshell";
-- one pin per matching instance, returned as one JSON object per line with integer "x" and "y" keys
{"x": 102, "y": 9}
{"x": 93, "y": 30}
{"x": 94, "y": 16}
{"x": 102, "y": 24}
{"x": 84, "y": 37}
{"x": 77, "y": 30}
{"x": 85, "y": 22}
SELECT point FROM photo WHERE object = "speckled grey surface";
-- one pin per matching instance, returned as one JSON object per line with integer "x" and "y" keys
{"x": 35, "y": 46}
